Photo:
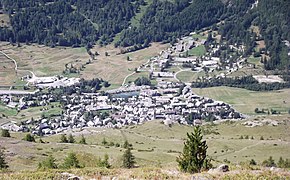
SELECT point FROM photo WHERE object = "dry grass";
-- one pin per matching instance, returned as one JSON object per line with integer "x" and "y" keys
{"x": 155, "y": 145}
{"x": 114, "y": 68}
{"x": 45, "y": 61}
{"x": 7, "y": 71}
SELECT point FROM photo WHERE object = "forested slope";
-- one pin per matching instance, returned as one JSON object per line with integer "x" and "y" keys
{"x": 85, "y": 22}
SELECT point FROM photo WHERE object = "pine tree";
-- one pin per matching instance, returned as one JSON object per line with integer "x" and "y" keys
{"x": 48, "y": 163}
{"x": 126, "y": 145}
{"x": 5, "y": 133}
{"x": 83, "y": 140}
{"x": 281, "y": 163}
{"x": 71, "y": 139}
{"x": 104, "y": 163}
{"x": 104, "y": 142}
{"x": 128, "y": 159}
{"x": 3, "y": 164}
{"x": 71, "y": 161}
{"x": 193, "y": 156}
{"x": 63, "y": 139}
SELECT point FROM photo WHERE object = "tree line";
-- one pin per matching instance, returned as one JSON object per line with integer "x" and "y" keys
{"x": 246, "y": 82}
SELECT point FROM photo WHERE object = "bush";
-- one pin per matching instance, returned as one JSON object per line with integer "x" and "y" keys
{"x": 29, "y": 138}
{"x": 253, "y": 162}
{"x": 3, "y": 164}
{"x": 71, "y": 161}
{"x": 283, "y": 163}
{"x": 104, "y": 163}
{"x": 71, "y": 139}
{"x": 83, "y": 140}
{"x": 5, "y": 133}
{"x": 63, "y": 139}
{"x": 104, "y": 142}
{"x": 48, "y": 163}
{"x": 269, "y": 162}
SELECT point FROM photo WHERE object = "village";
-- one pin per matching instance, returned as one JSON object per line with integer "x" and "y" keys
{"x": 170, "y": 100}
{"x": 179, "y": 56}
{"x": 177, "y": 104}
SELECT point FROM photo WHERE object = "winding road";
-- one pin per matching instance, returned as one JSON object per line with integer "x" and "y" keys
{"x": 15, "y": 63}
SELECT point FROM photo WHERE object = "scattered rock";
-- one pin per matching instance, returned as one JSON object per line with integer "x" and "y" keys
{"x": 69, "y": 176}
{"x": 221, "y": 168}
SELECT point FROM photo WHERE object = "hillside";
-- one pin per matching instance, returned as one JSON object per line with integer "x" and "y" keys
{"x": 156, "y": 147}
{"x": 138, "y": 22}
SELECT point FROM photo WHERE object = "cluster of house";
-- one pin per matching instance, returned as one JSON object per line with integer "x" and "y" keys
{"x": 51, "y": 81}
{"x": 170, "y": 102}
{"x": 178, "y": 54}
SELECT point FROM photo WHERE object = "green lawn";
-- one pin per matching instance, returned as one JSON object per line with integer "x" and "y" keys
{"x": 189, "y": 76}
{"x": 7, "y": 111}
{"x": 246, "y": 101}
{"x": 197, "y": 51}
{"x": 199, "y": 36}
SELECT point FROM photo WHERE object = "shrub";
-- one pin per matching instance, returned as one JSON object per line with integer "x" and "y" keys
{"x": 253, "y": 162}
{"x": 104, "y": 163}
{"x": 63, "y": 139}
{"x": 5, "y": 133}
{"x": 71, "y": 139}
{"x": 269, "y": 162}
{"x": 3, "y": 164}
{"x": 71, "y": 161}
{"x": 29, "y": 138}
{"x": 83, "y": 140}
{"x": 48, "y": 163}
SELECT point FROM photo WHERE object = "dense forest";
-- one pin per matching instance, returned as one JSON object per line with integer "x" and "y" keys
{"x": 66, "y": 22}
{"x": 86, "y": 22}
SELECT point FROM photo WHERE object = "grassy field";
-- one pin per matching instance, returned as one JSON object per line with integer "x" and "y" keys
{"x": 246, "y": 101}
{"x": 137, "y": 75}
{"x": 115, "y": 67}
{"x": 36, "y": 112}
{"x": 7, "y": 71}
{"x": 45, "y": 61}
{"x": 154, "y": 145}
{"x": 189, "y": 76}
{"x": 197, "y": 51}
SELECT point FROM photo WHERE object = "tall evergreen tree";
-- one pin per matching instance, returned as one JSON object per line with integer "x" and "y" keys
{"x": 128, "y": 159}
{"x": 193, "y": 156}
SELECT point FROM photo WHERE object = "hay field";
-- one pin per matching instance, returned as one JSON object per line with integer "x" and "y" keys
{"x": 246, "y": 101}
{"x": 115, "y": 67}
{"x": 44, "y": 61}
